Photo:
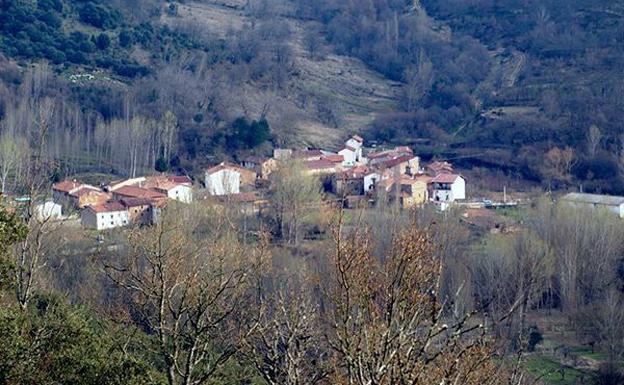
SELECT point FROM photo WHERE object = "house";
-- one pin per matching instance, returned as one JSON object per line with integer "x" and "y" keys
{"x": 176, "y": 187}
{"x": 386, "y": 155}
{"x": 349, "y": 155}
{"x": 413, "y": 191}
{"x": 48, "y": 211}
{"x": 87, "y": 195}
{"x": 105, "y": 216}
{"x": 404, "y": 164}
{"x": 137, "y": 192}
{"x": 356, "y": 181}
{"x": 61, "y": 190}
{"x": 320, "y": 167}
{"x": 247, "y": 177}
{"x": 308, "y": 154}
{"x": 407, "y": 190}
{"x": 352, "y": 151}
{"x": 248, "y": 203}
{"x": 173, "y": 188}
{"x": 139, "y": 210}
{"x": 448, "y": 188}
{"x": 263, "y": 167}
{"x": 223, "y": 179}
{"x": 355, "y": 141}
{"x": 439, "y": 167}
{"x": 72, "y": 194}
{"x": 282, "y": 153}
{"x": 614, "y": 204}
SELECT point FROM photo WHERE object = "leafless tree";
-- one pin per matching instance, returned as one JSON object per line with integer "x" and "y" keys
{"x": 189, "y": 280}
{"x": 387, "y": 323}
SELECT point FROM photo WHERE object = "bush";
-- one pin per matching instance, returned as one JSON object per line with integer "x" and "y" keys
{"x": 125, "y": 38}
{"x": 161, "y": 165}
{"x": 535, "y": 338}
{"x": 99, "y": 16}
{"x": 102, "y": 41}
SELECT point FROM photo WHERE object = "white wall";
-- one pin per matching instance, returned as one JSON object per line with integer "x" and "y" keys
{"x": 370, "y": 180}
{"x": 349, "y": 157}
{"x": 181, "y": 193}
{"x": 458, "y": 189}
{"x": 456, "y": 192}
{"x": 48, "y": 211}
{"x": 223, "y": 182}
{"x": 104, "y": 221}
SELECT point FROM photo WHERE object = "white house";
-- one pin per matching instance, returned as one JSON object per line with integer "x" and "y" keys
{"x": 48, "y": 211}
{"x": 349, "y": 155}
{"x": 222, "y": 180}
{"x": 179, "y": 192}
{"x": 355, "y": 144}
{"x": 105, "y": 216}
{"x": 370, "y": 181}
{"x": 614, "y": 204}
{"x": 448, "y": 188}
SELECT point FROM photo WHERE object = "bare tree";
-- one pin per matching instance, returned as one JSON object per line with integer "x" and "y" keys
{"x": 286, "y": 343}
{"x": 594, "y": 137}
{"x": 189, "y": 289}
{"x": 387, "y": 324}
{"x": 294, "y": 194}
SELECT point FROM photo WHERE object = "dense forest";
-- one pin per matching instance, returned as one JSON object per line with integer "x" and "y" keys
{"x": 529, "y": 88}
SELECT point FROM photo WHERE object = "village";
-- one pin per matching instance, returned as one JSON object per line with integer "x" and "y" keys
{"x": 356, "y": 176}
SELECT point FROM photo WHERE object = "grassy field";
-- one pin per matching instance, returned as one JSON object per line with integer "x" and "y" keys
{"x": 553, "y": 373}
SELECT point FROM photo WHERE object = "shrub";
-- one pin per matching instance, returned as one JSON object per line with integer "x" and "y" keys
{"x": 102, "y": 41}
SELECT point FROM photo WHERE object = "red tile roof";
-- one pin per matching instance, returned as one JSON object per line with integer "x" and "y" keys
{"x": 438, "y": 167}
{"x": 65, "y": 186}
{"x": 107, "y": 207}
{"x": 396, "y": 161}
{"x": 445, "y": 178}
{"x": 355, "y": 172}
{"x": 85, "y": 190}
{"x": 320, "y": 164}
{"x": 138, "y": 192}
{"x": 180, "y": 179}
{"x": 134, "y": 202}
{"x": 358, "y": 138}
{"x": 336, "y": 158}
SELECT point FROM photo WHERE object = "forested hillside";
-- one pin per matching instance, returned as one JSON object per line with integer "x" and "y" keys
{"x": 530, "y": 88}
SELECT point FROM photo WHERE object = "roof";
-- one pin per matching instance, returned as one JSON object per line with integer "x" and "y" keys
{"x": 397, "y": 161}
{"x": 180, "y": 179}
{"x": 607, "y": 200}
{"x": 308, "y": 153}
{"x": 348, "y": 148}
{"x": 85, "y": 190}
{"x": 255, "y": 159}
{"x": 227, "y": 166}
{"x": 319, "y": 164}
{"x": 445, "y": 178}
{"x": 355, "y": 173}
{"x": 439, "y": 166}
{"x": 134, "y": 202}
{"x": 138, "y": 192}
{"x": 336, "y": 158}
{"x": 107, "y": 207}
{"x": 358, "y": 138}
{"x": 65, "y": 186}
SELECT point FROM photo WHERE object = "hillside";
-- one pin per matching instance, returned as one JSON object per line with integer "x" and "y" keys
{"x": 483, "y": 84}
